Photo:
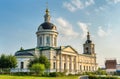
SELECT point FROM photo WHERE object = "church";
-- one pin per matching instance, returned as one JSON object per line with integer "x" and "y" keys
{"x": 62, "y": 58}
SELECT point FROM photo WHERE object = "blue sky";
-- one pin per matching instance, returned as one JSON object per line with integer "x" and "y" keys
{"x": 19, "y": 20}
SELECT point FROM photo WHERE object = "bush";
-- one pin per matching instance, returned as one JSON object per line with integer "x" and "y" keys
{"x": 21, "y": 73}
{"x": 56, "y": 74}
{"x": 62, "y": 73}
{"x": 101, "y": 77}
{"x": 70, "y": 74}
{"x": 46, "y": 74}
{"x": 5, "y": 71}
{"x": 38, "y": 68}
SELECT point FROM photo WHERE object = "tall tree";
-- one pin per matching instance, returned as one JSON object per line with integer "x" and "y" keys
{"x": 12, "y": 62}
{"x": 7, "y": 61}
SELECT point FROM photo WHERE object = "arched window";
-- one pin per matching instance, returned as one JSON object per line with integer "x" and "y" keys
{"x": 64, "y": 66}
{"x": 22, "y": 65}
{"x": 40, "y": 40}
{"x": 89, "y": 68}
{"x": 84, "y": 68}
{"x": 80, "y": 68}
{"x": 54, "y": 66}
{"x": 48, "y": 40}
{"x": 87, "y": 50}
{"x": 55, "y": 41}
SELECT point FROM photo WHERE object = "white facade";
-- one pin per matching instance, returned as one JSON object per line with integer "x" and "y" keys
{"x": 62, "y": 58}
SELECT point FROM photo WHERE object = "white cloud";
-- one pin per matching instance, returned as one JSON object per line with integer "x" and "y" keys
{"x": 113, "y": 1}
{"x": 84, "y": 28}
{"x": 101, "y": 8}
{"x": 116, "y": 1}
{"x": 69, "y": 6}
{"x": 65, "y": 28}
{"x": 89, "y": 2}
{"x": 77, "y": 3}
{"x": 74, "y": 5}
{"x": 102, "y": 32}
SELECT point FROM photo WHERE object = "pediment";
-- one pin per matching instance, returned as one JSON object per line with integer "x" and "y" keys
{"x": 69, "y": 49}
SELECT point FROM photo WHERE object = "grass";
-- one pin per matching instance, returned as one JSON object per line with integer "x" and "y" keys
{"x": 33, "y": 77}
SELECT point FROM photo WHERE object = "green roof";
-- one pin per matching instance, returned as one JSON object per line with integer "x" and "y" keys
{"x": 41, "y": 48}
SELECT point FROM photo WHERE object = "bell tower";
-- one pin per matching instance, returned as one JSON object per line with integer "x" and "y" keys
{"x": 47, "y": 32}
{"x": 88, "y": 46}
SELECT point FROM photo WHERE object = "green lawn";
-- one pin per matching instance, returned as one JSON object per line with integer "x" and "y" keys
{"x": 32, "y": 77}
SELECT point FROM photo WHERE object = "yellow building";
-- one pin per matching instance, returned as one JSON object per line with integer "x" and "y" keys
{"x": 62, "y": 58}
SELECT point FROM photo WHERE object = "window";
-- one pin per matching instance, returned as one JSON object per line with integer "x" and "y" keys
{"x": 55, "y": 41}
{"x": 64, "y": 66}
{"x": 54, "y": 65}
{"x": 22, "y": 65}
{"x": 84, "y": 67}
{"x": 87, "y": 49}
{"x": 48, "y": 40}
{"x": 80, "y": 67}
{"x": 40, "y": 40}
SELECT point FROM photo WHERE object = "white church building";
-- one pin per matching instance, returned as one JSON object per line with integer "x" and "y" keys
{"x": 62, "y": 58}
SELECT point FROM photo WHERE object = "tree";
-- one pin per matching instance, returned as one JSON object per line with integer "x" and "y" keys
{"x": 7, "y": 61}
{"x": 42, "y": 60}
{"x": 12, "y": 62}
{"x": 101, "y": 72}
{"x": 45, "y": 61}
{"x": 38, "y": 68}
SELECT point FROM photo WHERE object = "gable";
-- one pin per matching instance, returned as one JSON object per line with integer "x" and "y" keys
{"x": 69, "y": 49}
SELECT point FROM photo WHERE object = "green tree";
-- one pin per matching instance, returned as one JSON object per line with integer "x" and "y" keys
{"x": 42, "y": 60}
{"x": 7, "y": 61}
{"x": 12, "y": 62}
{"x": 45, "y": 61}
{"x": 101, "y": 72}
{"x": 3, "y": 63}
{"x": 38, "y": 68}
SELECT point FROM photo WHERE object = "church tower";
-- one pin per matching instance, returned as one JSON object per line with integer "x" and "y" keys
{"x": 47, "y": 32}
{"x": 89, "y": 46}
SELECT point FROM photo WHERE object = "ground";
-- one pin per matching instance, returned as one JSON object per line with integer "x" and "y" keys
{"x": 32, "y": 77}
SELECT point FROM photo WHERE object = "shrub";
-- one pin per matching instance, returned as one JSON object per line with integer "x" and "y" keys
{"x": 38, "y": 68}
{"x": 20, "y": 73}
{"x": 70, "y": 74}
{"x": 62, "y": 73}
{"x": 46, "y": 74}
{"x": 56, "y": 74}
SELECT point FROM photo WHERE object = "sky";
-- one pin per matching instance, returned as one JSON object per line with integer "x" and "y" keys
{"x": 20, "y": 19}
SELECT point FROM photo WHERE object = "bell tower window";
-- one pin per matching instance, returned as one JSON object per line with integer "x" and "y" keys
{"x": 87, "y": 49}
